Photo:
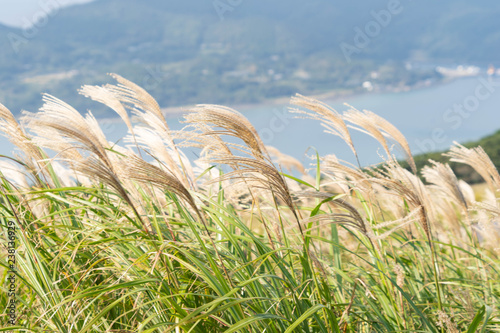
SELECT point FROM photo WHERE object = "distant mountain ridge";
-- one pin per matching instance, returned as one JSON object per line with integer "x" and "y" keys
{"x": 242, "y": 51}
{"x": 317, "y": 25}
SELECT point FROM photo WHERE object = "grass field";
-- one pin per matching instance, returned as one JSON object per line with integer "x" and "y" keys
{"x": 135, "y": 237}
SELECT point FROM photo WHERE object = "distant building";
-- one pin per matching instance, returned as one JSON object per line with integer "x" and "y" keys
{"x": 491, "y": 70}
{"x": 368, "y": 85}
{"x": 459, "y": 71}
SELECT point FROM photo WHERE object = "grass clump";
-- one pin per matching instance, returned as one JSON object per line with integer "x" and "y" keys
{"x": 138, "y": 238}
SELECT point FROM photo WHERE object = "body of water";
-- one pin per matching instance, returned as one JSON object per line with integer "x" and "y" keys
{"x": 431, "y": 119}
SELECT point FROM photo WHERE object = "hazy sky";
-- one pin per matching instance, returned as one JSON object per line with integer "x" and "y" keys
{"x": 20, "y": 13}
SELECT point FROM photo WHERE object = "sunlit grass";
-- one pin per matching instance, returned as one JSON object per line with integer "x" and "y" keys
{"x": 141, "y": 239}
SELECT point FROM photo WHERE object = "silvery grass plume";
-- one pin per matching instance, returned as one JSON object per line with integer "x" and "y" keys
{"x": 329, "y": 118}
{"x": 215, "y": 121}
{"x": 351, "y": 179}
{"x": 250, "y": 161}
{"x": 108, "y": 98}
{"x": 479, "y": 161}
{"x": 34, "y": 163}
{"x": 148, "y": 111}
{"x": 468, "y": 192}
{"x": 442, "y": 178}
{"x": 15, "y": 133}
{"x": 489, "y": 207}
{"x": 384, "y": 197}
{"x": 285, "y": 161}
{"x": 155, "y": 145}
{"x": 206, "y": 125}
{"x": 444, "y": 322}
{"x": 14, "y": 174}
{"x": 260, "y": 175}
{"x": 147, "y": 173}
{"x": 59, "y": 126}
{"x": 486, "y": 226}
{"x": 408, "y": 187}
{"x": 489, "y": 197}
{"x": 344, "y": 174}
{"x": 448, "y": 195}
{"x": 335, "y": 180}
{"x": 33, "y": 156}
{"x": 488, "y": 213}
{"x": 195, "y": 135}
{"x": 135, "y": 97}
{"x": 487, "y": 229}
{"x": 379, "y": 128}
{"x": 447, "y": 211}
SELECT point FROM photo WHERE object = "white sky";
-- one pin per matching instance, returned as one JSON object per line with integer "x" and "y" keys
{"x": 20, "y": 13}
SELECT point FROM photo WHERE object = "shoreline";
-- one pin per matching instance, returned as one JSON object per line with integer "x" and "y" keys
{"x": 176, "y": 111}
{"x": 334, "y": 95}
{"x": 172, "y": 112}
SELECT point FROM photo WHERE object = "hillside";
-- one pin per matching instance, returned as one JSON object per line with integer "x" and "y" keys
{"x": 189, "y": 52}
{"x": 490, "y": 144}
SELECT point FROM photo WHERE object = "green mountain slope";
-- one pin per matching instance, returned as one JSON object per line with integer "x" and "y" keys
{"x": 193, "y": 51}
